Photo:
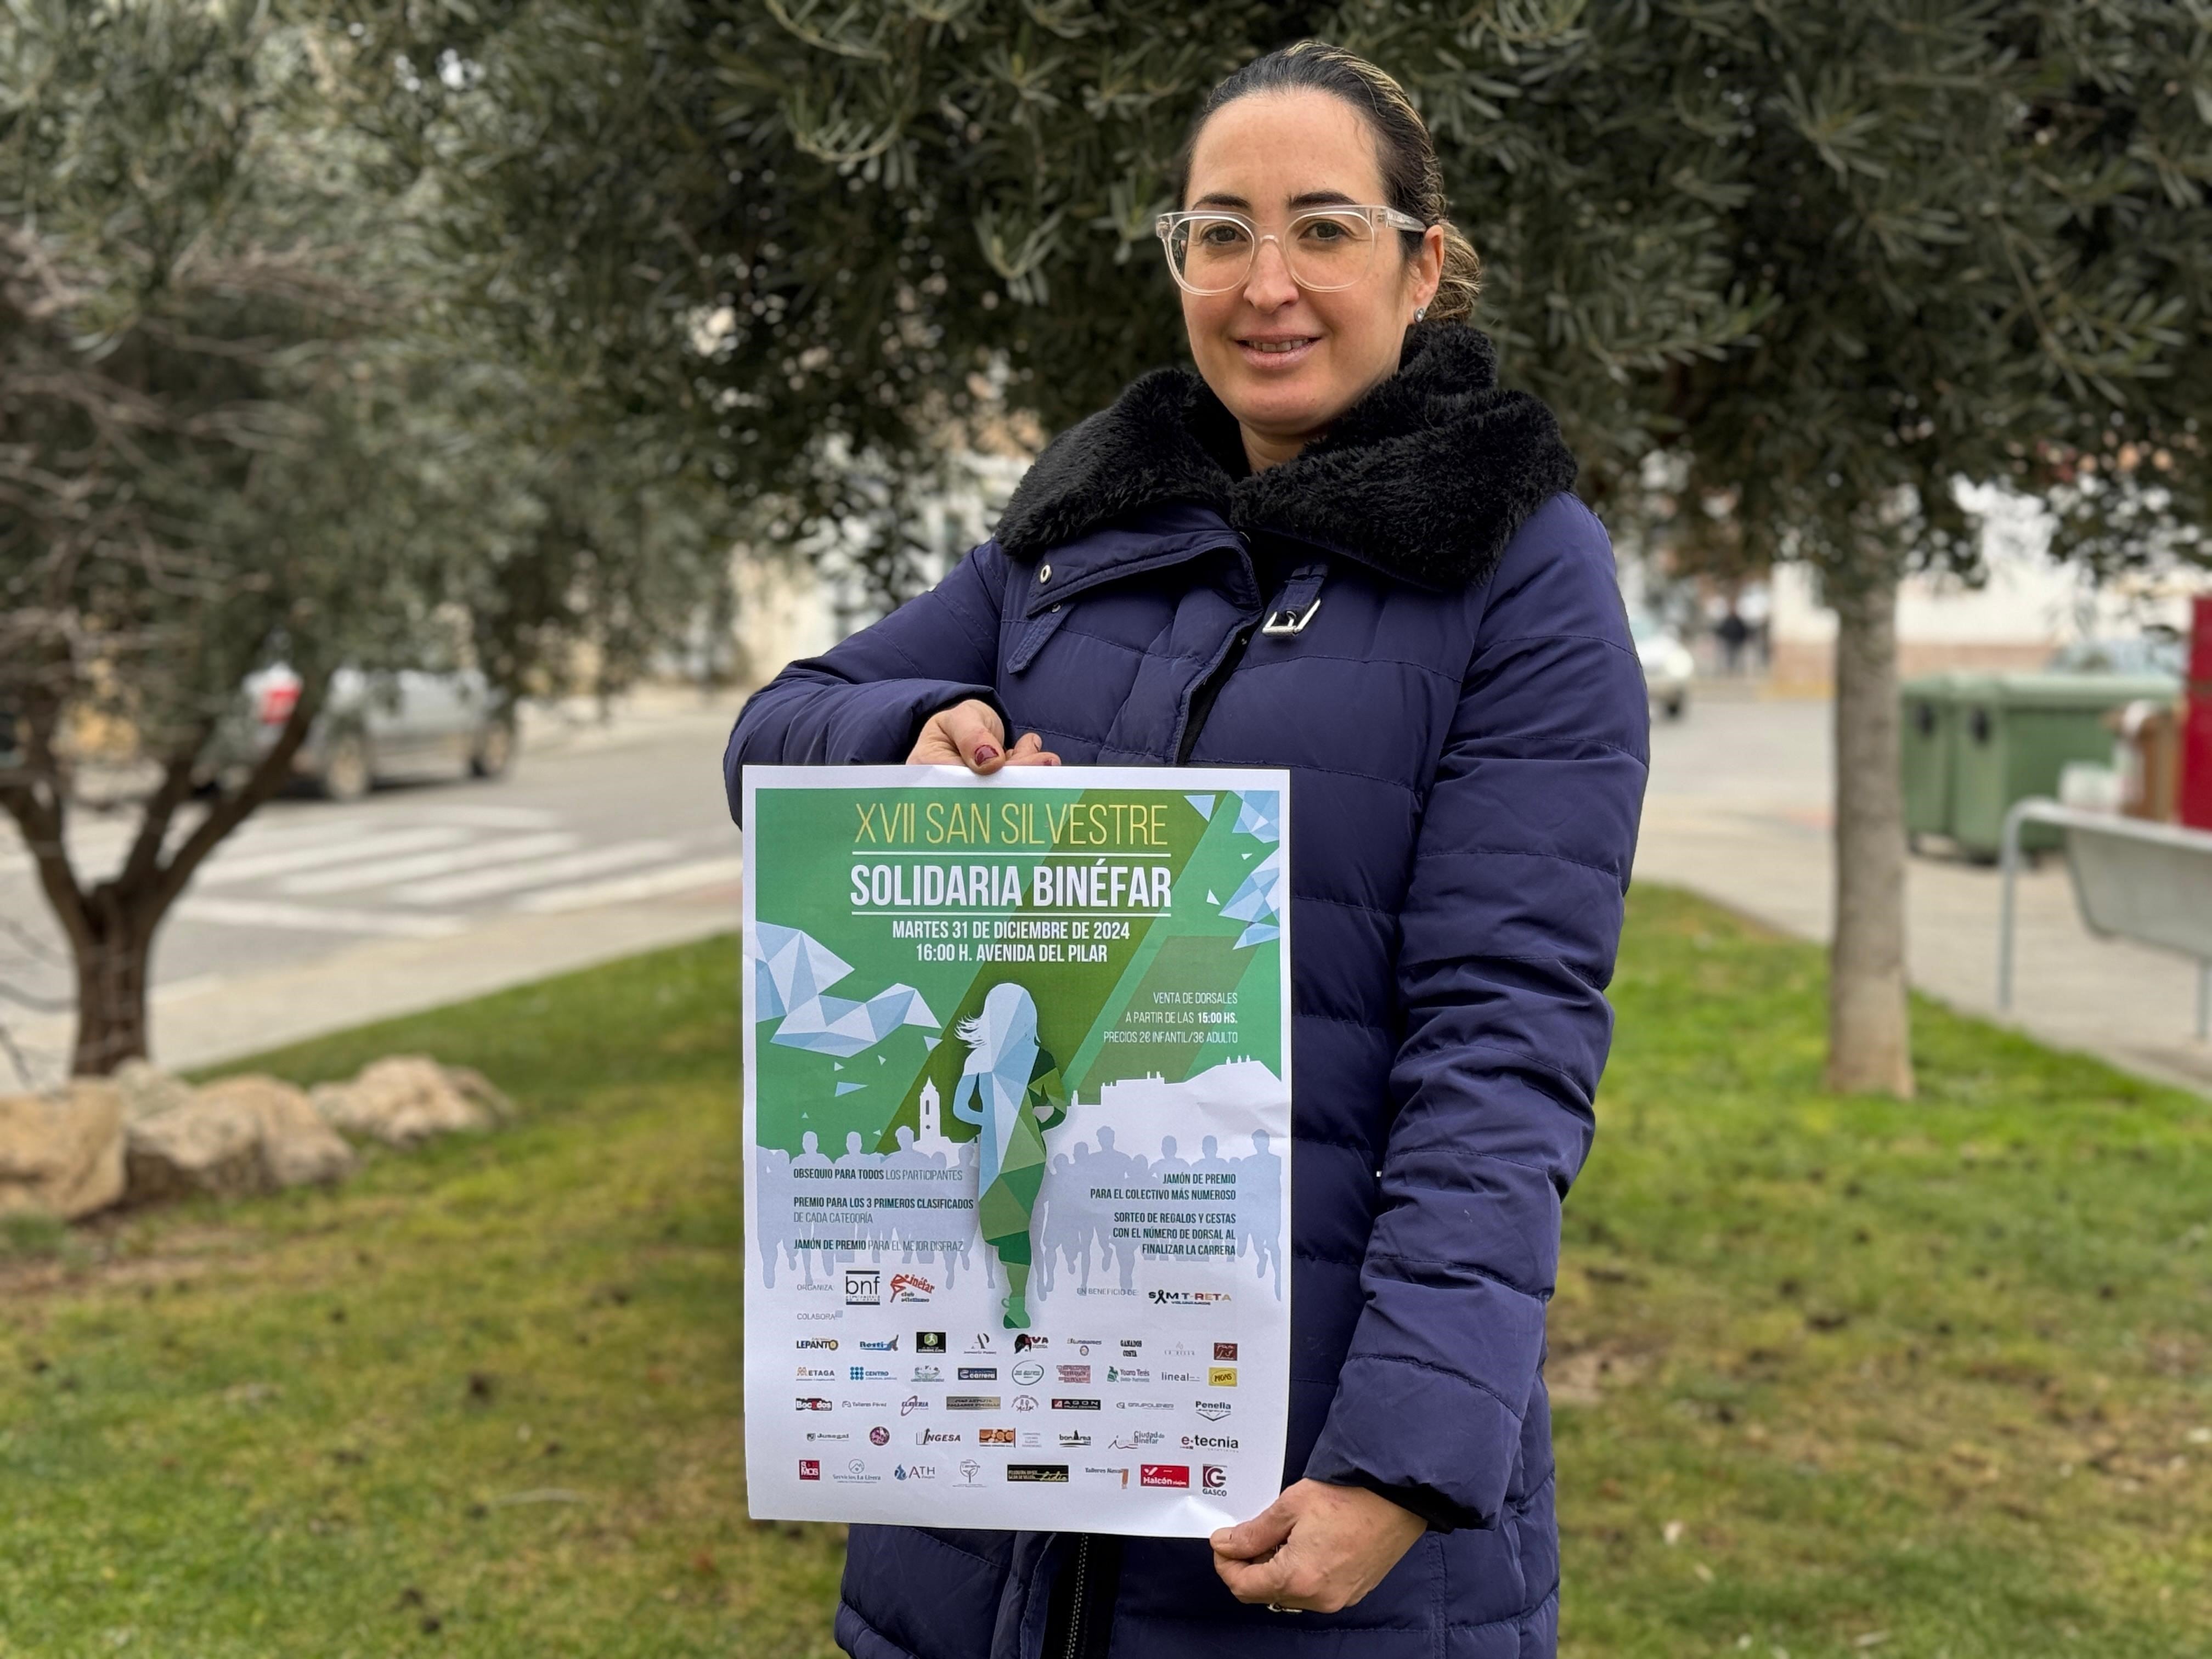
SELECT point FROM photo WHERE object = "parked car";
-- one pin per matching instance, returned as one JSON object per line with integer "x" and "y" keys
{"x": 1667, "y": 665}
{"x": 374, "y": 727}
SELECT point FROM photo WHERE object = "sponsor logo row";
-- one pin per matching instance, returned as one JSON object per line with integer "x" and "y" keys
{"x": 1128, "y": 1440}
{"x": 983, "y": 1343}
{"x": 1213, "y": 1411}
{"x": 1028, "y": 1374}
{"x": 869, "y": 1287}
{"x": 1212, "y": 1478}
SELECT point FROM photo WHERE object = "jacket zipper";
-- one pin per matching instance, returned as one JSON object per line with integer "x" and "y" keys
{"x": 1075, "y": 1604}
{"x": 1202, "y": 699}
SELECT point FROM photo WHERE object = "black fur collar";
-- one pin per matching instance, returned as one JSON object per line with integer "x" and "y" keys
{"x": 1426, "y": 477}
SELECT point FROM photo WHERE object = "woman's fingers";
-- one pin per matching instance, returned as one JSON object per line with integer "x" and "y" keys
{"x": 1030, "y": 750}
{"x": 1290, "y": 1577}
{"x": 967, "y": 735}
{"x": 1263, "y": 1564}
{"x": 977, "y": 736}
{"x": 970, "y": 734}
{"x": 1248, "y": 1540}
{"x": 1256, "y": 1584}
{"x": 1317, "y": 1547}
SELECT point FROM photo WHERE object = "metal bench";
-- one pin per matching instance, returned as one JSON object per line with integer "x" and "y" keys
{"x": 2151, "y": 883}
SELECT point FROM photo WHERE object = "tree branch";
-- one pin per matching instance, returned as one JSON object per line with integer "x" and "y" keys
{"x": 32, "y": 1000}
{"x": 43, "y": 818}
{"x": 161, "y": 810}
{"x": 267, "y": 777}
{"x": 15, "y": 1057}
{"x": 29, "y": 943}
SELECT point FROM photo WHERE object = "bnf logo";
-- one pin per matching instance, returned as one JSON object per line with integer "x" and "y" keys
{"x": 863, "y": 1287}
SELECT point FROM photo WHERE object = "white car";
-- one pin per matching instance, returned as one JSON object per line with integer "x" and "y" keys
{"x": 375, "y": 727}
{"x": 1667, "y": 665}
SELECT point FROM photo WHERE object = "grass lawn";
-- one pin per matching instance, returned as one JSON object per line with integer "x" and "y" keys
{"x": 1832, "y": 1376}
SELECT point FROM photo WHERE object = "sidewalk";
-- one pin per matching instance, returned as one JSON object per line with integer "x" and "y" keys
{"x": 653, "y": 752}
{"x": 1738, "y": 810}
{"x": 571, "y": 724}
{"x": 200, "y": 1026}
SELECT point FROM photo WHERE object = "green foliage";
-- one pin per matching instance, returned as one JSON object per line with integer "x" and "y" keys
{"x": 240, "y": 420}
{"x": 909, "y": 215}
{"x": 1838, "y": 256}
{"x": 174, "y": 348}
{"x": 1933, "y": 1370}
{"x": 1982, "y": 228}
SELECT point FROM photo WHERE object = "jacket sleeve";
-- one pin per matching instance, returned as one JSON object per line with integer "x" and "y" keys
{"x": 862, "y": 701}
{"x": 1509, "y": 932}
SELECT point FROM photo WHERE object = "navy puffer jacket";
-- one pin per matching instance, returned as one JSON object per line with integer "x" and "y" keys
{"x": 1467, "y": 725}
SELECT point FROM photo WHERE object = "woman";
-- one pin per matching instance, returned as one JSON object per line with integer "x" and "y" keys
{"x": 1340, "y": 549}
{"x": 1009, "y": 1089}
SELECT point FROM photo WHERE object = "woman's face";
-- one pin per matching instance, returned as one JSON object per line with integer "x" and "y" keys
{"x": 1286, "y": 363}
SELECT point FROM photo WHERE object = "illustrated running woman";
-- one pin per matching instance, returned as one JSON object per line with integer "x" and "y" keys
{"x": 1020, "y": 1097}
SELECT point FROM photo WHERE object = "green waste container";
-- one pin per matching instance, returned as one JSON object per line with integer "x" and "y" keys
{"x": 2015, "y": 732}
{"x": 1930, "y": 747}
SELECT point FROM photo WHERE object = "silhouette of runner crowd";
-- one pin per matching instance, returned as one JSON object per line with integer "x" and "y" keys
{"x": 920, "y": 1206}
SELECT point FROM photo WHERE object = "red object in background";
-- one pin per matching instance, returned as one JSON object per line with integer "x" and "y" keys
{"x": 278, "y": 698}
{"x": 2197, "y": 722}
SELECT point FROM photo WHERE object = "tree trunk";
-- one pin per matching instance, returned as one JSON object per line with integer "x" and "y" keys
{"x": 111, "y": 924}
{"x": 1870, "y": 1029}
{"x": 112, "y": 972}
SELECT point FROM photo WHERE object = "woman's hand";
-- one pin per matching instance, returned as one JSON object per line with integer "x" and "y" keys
{"x": 970, "y": 734}
{"x": 1318, "y": 1548}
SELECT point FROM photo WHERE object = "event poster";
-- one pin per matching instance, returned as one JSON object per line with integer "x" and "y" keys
{"x": 1017, "y": 1151}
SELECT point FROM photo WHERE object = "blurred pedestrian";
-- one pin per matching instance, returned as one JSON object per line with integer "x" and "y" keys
{"x": 1732, "y": 630}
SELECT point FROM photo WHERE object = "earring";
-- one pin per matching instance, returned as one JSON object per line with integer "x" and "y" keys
{"x": 1419, "y": 312}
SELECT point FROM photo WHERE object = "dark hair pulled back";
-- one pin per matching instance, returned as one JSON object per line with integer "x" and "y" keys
{"x": 1412, "y": 180}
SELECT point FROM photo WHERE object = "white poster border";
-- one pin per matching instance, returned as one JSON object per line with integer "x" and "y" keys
{"x": 1007, "y": 1506}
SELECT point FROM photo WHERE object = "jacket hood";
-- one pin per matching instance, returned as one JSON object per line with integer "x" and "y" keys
{"x": 1426, "y": 477}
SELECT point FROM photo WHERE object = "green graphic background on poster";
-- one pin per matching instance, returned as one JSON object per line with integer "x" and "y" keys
{"x": 1214, "y": 844}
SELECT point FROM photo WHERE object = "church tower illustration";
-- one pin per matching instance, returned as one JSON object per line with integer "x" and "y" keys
{"x": 930, "y": 1137}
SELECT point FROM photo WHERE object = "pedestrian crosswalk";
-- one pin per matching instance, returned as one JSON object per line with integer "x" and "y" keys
{"x": 692, "y": 878}
{"x": 424, "y": 872}
{"x": 352, "y": 877}
{"x": 229, "y": 867}
{"x": 481, "y": 883}
{"x": 455, "y": 885}
{"x": 319, "y": 919}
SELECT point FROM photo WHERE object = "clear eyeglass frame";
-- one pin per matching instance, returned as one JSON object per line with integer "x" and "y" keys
{"x": 1169, "y": 226}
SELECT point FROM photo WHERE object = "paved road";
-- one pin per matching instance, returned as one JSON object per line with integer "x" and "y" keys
{"x": 599, "y": 841}
{"x": 1741, "y": 809}
{"x": 319, "y": 917}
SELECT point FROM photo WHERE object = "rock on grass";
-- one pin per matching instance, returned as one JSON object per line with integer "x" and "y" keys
{"x": 407, "y": 1099}
{"x": 236, "y": 1136}
{"x": 61, "y": 1154}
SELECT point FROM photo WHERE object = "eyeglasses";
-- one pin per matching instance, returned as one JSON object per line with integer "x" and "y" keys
{"x": 1325, "y": 249}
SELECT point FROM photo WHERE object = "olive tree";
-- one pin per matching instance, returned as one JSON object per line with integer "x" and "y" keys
{"x": 1836, "y": 259}
{"x": 1983, "y": 231}
{"x": 233, "y": 431}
